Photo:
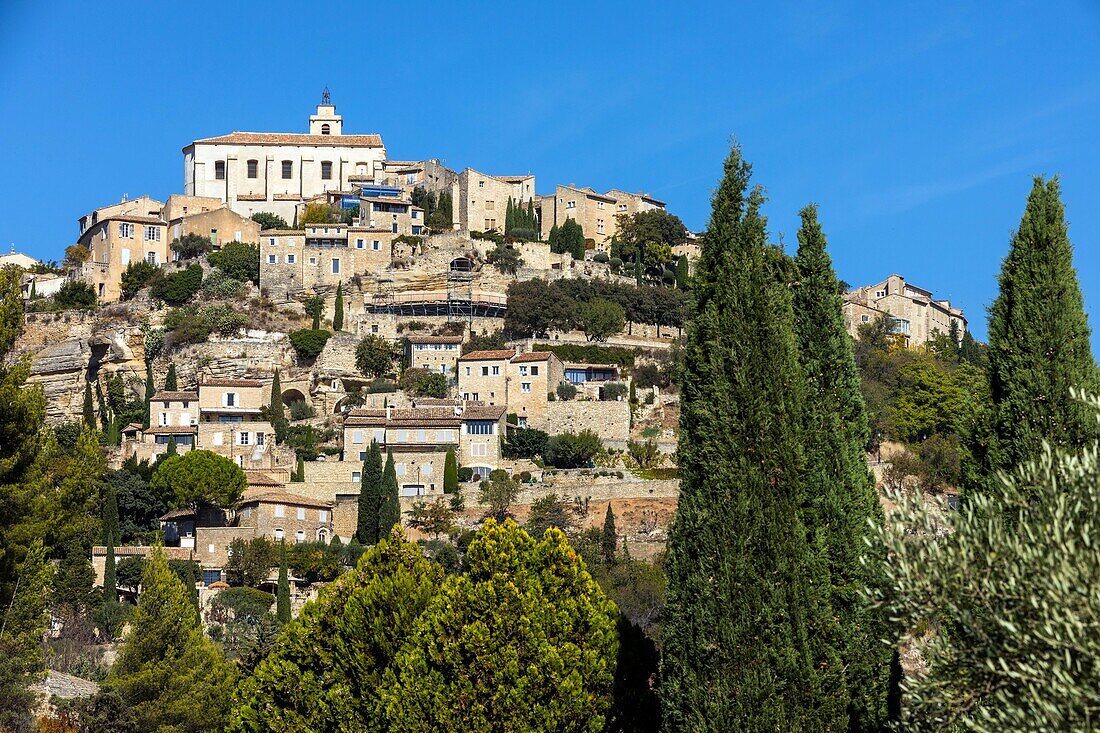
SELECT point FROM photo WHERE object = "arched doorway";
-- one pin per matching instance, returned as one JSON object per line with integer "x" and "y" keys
{"x": 291, "y": 396}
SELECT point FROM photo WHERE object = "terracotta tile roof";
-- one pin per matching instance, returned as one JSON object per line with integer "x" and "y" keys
{"x": 172, "y": 430}
{"x": 532, "y": 356}
{"x": 285, "y": 197}
{"x": 137, "y": 218}
{"x": 365, "y": 417}
{"x": 177, "y": 514}
{"x": 483, "y": 412}
{"x": 172, "y": 553}
{"x": 281, "y": 497}
{"x": 488, "y": 355}
{"x": 385, "y": 200}
{"x": 515, "y": 179}
{"x": 417, "y": 338}
{"x": 178, "y": 396}
{"x": 293, "y": 138}
{"x": 282, "y": 232}
{"x": 261, "y": 478}
{"x": 231, "y": 383}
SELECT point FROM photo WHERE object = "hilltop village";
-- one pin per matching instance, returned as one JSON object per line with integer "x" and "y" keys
{"x": 306, "y": 297}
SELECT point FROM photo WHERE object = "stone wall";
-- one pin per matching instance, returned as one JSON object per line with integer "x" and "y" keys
{"x": 609, "y": 420}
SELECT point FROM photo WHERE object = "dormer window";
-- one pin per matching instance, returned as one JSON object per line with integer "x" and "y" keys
{"x": 219, "y": 170}
{"x": 325, "y": 129}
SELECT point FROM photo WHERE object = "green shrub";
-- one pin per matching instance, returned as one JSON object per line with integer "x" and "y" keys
{"x": 380, "y": 386}
{"x": 524, "y": 443}
{"x": 600, "y": 257}
{"x": 239, "y": 261}
{"x": 176, "y": 288}
{"x": 301, "y": 410}
{"x": 465, "y": 473}
{"x": 613, "y": 391}
{"x": 224, "y": 320}
{"x": 267, "y": 220}
{"x": 219, "y": 285}
{"x": 74, "y": 294}
{"x": 138, "y": 274}
{"x": 244, "y": 602}
{"x": 190, "y": 246}
{"x": 591, "y": 353}
{"x": 309, "y": 342}
{"x": 572, "y": 450}
{"x": 566, "y": 391}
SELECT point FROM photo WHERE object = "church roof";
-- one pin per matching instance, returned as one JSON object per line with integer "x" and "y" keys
{"x": 291, "y": 138}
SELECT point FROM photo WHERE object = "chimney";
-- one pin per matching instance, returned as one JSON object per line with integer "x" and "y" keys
{"x": 389, "y": 412}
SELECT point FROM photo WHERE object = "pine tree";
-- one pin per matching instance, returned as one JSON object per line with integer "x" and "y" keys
{"x": 739, "y": 612}
{"x": 89, "y": 411}
{"x": 171, "y": 384}
{"x": 277, "y": 410}
{"x": 282, "y": 602}
{"x": 609, "y": 542}
{"x": 841, "y": 503}
{"x": 370, "y": 497}
{"x": 101, "y": 406}
{"x": 338, "y": 309}
{"x": 1038, "y": 340}
{"x": 389, "y": 511}
{"x": 450, "y": 473}
{"x": 150, "y": 390}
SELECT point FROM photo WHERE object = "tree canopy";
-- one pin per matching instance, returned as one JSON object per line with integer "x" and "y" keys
{"x": 198, "y": 478}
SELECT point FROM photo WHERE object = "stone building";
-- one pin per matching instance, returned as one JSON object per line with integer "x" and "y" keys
{"x": 221, "y": 225}
{"x": 273, "y": 172}
{"x": 278, "y": 515}
{"x": 230, "y": 420}
{"x": 141, "y": 206}
{"x": 520, "y": 382}
{"x": 434, "y": 353}
{"x": 634, "y": 203}
{"x": 481, "y": 200}
{"x": 320, "y": 255}
{"x": 419, "y": 438}
{"x": 395, "y": 215}
{"x": 17, "y": 259}
{"x": 115, "y": 240}
{"x": 915, "y": 315}
{"x": 594, "y": 211}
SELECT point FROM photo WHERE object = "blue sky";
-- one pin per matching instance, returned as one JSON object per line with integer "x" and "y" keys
{"x": 916, "y": 127}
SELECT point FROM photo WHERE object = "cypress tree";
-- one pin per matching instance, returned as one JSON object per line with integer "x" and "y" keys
{"x": 170, "y": 381}
{"x": 282, "y": 601}
{"x": 150, "y": 390}
{"x": 682, "y": 273}
{"x": 450, "y": 473}
{"x": 173, "y": 449}
{"x": 301, "y": 470}
{"x": 389, "y": 510}
{"x": 113, "y": 436}
{"x": 34, "y": 289}
{"x": 509, "y": 217}
{"x": 840, "y": 494}
{"x": 1038, "y": 340}
{"x": 338, "y": 309}
{"x": 317, "y": 319}
{"x": 89, "y": 411}
{"x": 101, "y": 405}
{"x": 277, "y": 410}
{"x": 736, "y": 650}
{"x": 370, "y": 497}
{"x": 609, "y": 542}
{"x": 110, "y": 539}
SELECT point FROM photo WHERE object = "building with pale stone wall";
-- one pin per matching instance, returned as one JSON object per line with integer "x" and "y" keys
{"x": 141, "y": 206}
{"x": 17, "y": 259}
{"x": 594, "y": 211}
{"x": 221, "y": 226}
{"x": 481, "y": 200}
{"x": 634, "y": 203}
{"x": 273, "y": 172}
{"x": 915, "y": 314}
{"x": 520, "y": 382}
{"x": 434, "y": 353}
{"x": 113, "y": 242}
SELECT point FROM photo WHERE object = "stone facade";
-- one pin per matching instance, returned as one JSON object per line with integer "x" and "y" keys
{"x": 221, "y": 225}
{"x": 916, "y": 314}
{"x": 520, "y": 382}
{"x": 610, "y": 420}
{"x": 115, "y": 241}
{"x": 274, "y": 172}
{"x": 481, "y": 200}
{"x": 594, "y": 211}
{"x": 434, "y": 353}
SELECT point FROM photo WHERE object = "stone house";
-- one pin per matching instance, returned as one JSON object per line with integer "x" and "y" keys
{"x": 273, "y": 172}
{"x": 221, "y": 225}
{"x": 915, "y": 314}
{"x": 434, "y": 353}
{"x": 634, "y": 203}
{"x": 520, "y": 382}
{"x": 300, "y": 260}
{"x": 481, "y": 200}
{"x": 141, "y": 206}
{"x": 231, "y": 423}
{"x": 594, "y": 211}
{"x": 396, "y": 215}
{"x": 113, "y": 242}
{"x": 279, "y": 515}
{"x": 419, "y": 438}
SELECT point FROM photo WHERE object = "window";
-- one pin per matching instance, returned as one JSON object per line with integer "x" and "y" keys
{"x": 446, "y": 436}
{"x": 301, "y": 513}
{"x": 490, "y": 224}
{"x": 280, "y": 510}
{"x": 359, "y": 244}
{"x": 380, "y": 436}
{"x": 253, "y": 168}
{"x": 218, "y": 438}
{"x": 477, "y": 450}
{"x": 866, "y": 319}
{"x": 400, "y": 469}
{"x": 467, "y": 371}
{"x": 479, "y": 427}
{"x": 322, "y": 515}
{"x": 599, "y": 225}
{"x": 335, "y": 266}
{"x": 230, "y": 399}
{"x": 326, "y": 170}
{"x": 278, "y": 534}
{"x": 300, "y": 536}
{"x": 362, "y": 455}
{"x": 402, "y": 436}
{"x": 125, "y": 256}
{"x": 271, "y": 241}
{"x": 288, "y": 169}
{"x": 421, "y": 436}
{"x": 570, "y": 204}
{"x": 152, "y": 234}
{"x": 126, "y": 230}
{"x": 880, "y": 293}
{"x": 243, "y": 438}
{"x": 376, "y": 245}
{"x": 163, "y": 419}
{"x": 496, "y": 371}
{"x": 290, "y": 259}
{"x": 484, "y": 371}
{"x": 523, "y": 371}
{"x": 272, "y": 259}
{"x": 534, "y": 371}
{"x": 357, "y": 436}
{"x": 219, "y": 170}
{"x": 259, "y": 438}
{"x": 394, "y": 228}
{"x": 490, "y": 205}
{"x": 525, "y": 386}
{"x": 313, "y": 260}
{"x": 481, "y": 184}
{"x": 325, "y": 129}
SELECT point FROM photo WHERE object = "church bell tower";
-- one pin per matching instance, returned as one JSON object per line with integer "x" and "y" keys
{"x": 326, "y": 121}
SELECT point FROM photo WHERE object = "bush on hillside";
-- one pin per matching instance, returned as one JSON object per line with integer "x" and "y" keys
{"x": 309, "y": 342}
{"x": 176, "y": 288}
